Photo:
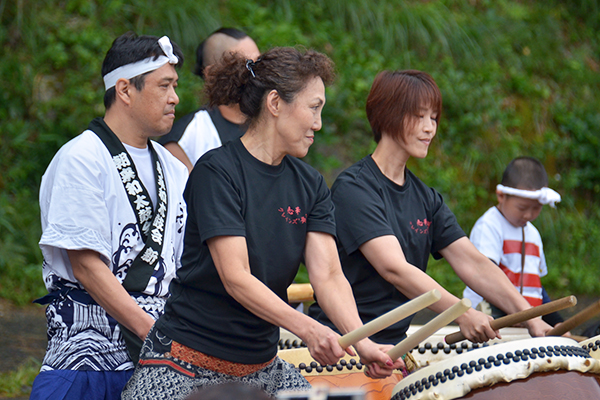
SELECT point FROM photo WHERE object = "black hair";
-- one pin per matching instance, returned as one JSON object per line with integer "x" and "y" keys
{"x": 525, "y": 173}
{"x": 231, "y": 32}
{"x": 130, "y": 48}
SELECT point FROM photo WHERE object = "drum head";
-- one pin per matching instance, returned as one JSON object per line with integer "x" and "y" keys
{"x": 504, "y": 363}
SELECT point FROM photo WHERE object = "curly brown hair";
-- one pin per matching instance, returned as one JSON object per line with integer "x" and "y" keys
{"x": 287, "y": 70}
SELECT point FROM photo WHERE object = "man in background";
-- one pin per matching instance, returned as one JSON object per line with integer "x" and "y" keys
{"x": 196, "y": 133}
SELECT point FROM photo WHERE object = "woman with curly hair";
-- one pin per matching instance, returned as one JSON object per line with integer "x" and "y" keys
{"x": 255, "y": 213}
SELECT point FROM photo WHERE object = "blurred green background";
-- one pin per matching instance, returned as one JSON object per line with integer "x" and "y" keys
{"x": 517, "y": 78}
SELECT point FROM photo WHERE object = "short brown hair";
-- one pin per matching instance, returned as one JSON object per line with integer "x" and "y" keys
{"x": 397, "y": 95}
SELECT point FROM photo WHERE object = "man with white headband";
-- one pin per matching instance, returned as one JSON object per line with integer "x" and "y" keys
{"x": 506, "y": 235}
{"x": 113, "y": 218}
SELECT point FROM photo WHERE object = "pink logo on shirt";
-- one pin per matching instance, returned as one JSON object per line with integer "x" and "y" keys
{"x": 421, "y": 227}
{"x": 292, "y": 215}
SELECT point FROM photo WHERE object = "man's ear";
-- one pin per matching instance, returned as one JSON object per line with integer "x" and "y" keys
{"x": 123, "y": 89}
{"x": 273, "y": 103}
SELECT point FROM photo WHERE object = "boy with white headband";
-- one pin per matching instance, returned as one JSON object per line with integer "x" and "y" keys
{"x": 506, "y": 235}
{"x": 113, "y": 217}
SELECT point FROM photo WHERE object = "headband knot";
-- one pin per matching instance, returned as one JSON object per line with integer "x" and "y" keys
{"x": 132, "y": 70}
{"x": 544, "y": 195}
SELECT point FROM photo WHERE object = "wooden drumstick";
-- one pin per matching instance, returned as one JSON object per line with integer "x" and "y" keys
{"x": 429, "y": 329}
{"x": 300, "y": 292}
{"x": 576, "y": 320}
{"x": 389, "y": 318}
{"x": 521, "y": 316}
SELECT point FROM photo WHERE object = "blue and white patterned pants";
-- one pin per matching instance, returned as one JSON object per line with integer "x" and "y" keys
{"x": 164, "y": 377}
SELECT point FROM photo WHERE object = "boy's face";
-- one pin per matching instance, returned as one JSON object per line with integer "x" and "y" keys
{"x": 518, "y": 210}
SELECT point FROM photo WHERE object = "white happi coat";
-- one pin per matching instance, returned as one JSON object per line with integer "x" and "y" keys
{"x": 84, "y": 205}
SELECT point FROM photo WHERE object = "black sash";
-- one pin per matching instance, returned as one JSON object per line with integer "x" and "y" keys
{"x": 150, "y": 223}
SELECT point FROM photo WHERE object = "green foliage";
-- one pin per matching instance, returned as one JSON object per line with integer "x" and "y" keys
{"x": 18, "y": 383}
{"x": 518, "y": 78}
{"x": 574, "y": 264}
{"x": 582, "y": 142}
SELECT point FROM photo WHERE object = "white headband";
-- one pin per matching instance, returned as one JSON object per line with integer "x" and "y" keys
{"x": 141, "y": 67}
{"x": 544, "y": 195}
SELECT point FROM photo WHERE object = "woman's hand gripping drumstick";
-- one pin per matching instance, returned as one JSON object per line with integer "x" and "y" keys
{"x": 576, "y": 320}
{"x": 521, "y": 316}
{"x": 430, "y": 328}
{"x": 389, "y": 318}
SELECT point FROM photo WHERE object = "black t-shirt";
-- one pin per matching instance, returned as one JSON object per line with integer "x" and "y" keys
{"x": 231, "y": 193}
{"x": 227, "y": 130}
{"x": 369, "y": 205}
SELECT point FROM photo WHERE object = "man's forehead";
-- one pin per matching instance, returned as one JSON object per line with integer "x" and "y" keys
{"x": 166, "y": 72}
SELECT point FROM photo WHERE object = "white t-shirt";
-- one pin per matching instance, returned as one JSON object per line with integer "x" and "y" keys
{"x": 142, "y": 158}
{"x": 199, "y": 137}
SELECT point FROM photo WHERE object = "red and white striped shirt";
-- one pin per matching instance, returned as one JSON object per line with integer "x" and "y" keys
{"x": 501, "y": 242}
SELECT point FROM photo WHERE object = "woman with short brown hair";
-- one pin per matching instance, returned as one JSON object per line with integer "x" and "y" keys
{"x": 389, "y": 222}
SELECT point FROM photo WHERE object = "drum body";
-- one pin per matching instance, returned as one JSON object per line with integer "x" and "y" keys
{"x": 434, "y": 349}
{"x": 347, "y": 373}
{"x": 593, "y": 346}
{"x": 537, "y": 368}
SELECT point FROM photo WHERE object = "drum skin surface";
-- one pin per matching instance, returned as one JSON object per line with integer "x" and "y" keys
{"x": 537, "y": 368}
